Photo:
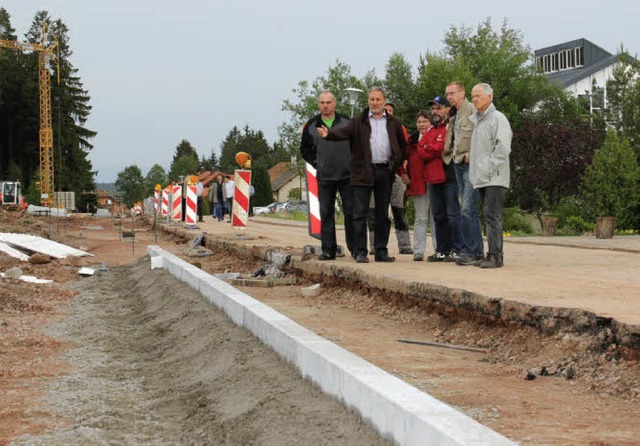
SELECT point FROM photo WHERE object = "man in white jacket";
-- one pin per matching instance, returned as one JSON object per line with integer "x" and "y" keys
{"x": 489, "y": 167}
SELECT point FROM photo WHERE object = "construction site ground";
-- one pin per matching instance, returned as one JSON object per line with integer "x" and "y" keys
{"x": 551, "y": 338}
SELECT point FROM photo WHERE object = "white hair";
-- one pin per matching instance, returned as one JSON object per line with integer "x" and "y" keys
{"x": 486, "y": 88}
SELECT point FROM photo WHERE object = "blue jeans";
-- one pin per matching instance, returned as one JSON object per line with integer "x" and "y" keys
{"x": 471, "y": 230}
{"x": 218, "y": 211}
{"x": 446, "y": 215}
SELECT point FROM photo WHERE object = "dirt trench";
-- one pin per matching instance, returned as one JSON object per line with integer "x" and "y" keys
{"x": 153, "y": 363}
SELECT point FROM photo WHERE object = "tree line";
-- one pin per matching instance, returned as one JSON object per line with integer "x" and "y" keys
{"x": 562, "y": 154}
{"x": 19, "y": 111}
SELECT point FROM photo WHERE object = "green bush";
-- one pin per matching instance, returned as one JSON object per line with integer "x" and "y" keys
{"x": 574, "y": 225}
{"x": 513, "y": 221}
{"x": 568, "y": 207}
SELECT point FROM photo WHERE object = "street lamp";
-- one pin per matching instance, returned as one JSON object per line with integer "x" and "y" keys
{"x": 353, "y": 96}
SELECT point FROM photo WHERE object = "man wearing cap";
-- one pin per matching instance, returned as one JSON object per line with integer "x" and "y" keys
{"x": 378, "y": 148}
{"x": 489, "y": 167}
{"x": 457, "y": 147}
{"x": 443, "y": 189}
{"x": 331, "y": 160}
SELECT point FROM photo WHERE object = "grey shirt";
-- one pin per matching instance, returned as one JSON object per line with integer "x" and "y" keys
{"x": 379, "y": 140}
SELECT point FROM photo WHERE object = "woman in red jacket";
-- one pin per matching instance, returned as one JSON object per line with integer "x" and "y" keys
{"x": 414, "y": 175}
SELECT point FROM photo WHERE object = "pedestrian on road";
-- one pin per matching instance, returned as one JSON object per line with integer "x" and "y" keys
{"x": 332, "y": 161}
{"x": 378, "y": 149}
{"x": 199, "y": 192}
{"x": 489, "y": 167}
{"x": 218, "y": 197}
{"x": 458, "y": 147}
{"x": 230, "y": 188}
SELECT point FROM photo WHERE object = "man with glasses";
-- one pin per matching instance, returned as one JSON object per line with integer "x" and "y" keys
{"x": 458, "y": 147}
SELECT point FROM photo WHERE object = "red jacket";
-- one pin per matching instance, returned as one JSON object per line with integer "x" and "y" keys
{"x": 415, "y": 167}
{"x": 430, "y": 149}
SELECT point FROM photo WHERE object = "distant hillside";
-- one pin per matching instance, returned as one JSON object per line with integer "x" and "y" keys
{"x": 109, "y": 187}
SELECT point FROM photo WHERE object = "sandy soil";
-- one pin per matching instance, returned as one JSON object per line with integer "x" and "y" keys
{"x": 129, "y": 359}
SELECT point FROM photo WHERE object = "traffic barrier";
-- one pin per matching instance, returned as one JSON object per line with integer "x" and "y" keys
{"x": 240, "y": 211}
{"x": 156, "y": 199}
{"x": 315, "y": 223}
{"x": 164, "y": 207}
{"x": 191, "y": 207}
{"x": 176, "y": 203}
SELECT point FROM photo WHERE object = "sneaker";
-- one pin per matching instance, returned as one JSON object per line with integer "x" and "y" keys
{"x": 452, "y": 257}
{"x": 437, "y": 257}
{"x": 418, "y": 257}
{"x": 491, "y": 261}
{"x": 406, "y": 251}
{"x": 467, "y": 260}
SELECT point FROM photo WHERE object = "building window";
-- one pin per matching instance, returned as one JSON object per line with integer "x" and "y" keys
{"x": 579, "y": 56}
{"x": 571, "y": 60}
{"x": 563, "y": 61}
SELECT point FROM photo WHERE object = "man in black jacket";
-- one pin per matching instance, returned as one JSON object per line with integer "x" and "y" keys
{"x": 331, "y": 160}
{"x": 378, "y": 147}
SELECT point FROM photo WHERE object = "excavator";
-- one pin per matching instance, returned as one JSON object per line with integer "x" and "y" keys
{"x": 10, "y": 197}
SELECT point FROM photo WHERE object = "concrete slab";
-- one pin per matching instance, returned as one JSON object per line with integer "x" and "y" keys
{"x": 42, "y": 245}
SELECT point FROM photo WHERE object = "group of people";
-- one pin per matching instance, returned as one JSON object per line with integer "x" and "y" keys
{"x": 458, "y": 156}
{"x": 221, "y": 196}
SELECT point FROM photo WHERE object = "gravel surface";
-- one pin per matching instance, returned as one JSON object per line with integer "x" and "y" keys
{"x": 156, "y": 364}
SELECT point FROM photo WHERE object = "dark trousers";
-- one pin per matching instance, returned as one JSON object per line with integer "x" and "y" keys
{"x": 199, "y": 208}
{"x": 382, "y": 181}
{"x": 327, "y": 192}
{"x": 492, "y": 203}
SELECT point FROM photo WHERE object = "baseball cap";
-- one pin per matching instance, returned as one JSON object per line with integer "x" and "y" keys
{"x": 438, "y": 100}
{"x": 390, "y": 103}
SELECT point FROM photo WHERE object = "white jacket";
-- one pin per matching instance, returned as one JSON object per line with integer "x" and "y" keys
{"x": 490, "y": 148}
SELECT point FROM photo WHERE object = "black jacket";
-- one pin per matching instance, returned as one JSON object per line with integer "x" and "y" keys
{"x": 330, "y": 158}
{"x": 358, "y": 131}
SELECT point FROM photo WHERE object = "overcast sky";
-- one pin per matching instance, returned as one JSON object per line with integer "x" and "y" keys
{"x": 161, "y": 71}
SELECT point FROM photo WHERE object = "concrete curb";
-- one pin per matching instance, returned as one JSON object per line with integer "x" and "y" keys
{"x": 396, "y": 409}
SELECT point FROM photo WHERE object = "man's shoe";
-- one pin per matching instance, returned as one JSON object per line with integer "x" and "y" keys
{"x": 406, "y": 251}
{"x": 437, "y": 257}
{"x": 387, "y": 258}
{"x": 418, "y": 257}
{"x": 325, "y": 256}
{"x": 491, "y": 261}
{"x": 467, "y": 260}
{"x": 452, "y": 257}
{"x": 362, "y": 258}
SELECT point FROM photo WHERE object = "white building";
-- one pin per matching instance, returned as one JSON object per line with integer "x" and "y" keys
{"x": 577, "y": 66}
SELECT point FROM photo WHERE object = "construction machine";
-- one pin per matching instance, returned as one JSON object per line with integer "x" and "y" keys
{"x": 46, "y": 131}
{"x": 10, "y": 197}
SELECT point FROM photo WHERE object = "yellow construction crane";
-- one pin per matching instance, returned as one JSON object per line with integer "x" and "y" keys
{"x": 46, "y": 131}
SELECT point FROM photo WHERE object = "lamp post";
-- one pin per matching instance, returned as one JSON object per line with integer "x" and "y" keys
{"x": 353, "y": 96}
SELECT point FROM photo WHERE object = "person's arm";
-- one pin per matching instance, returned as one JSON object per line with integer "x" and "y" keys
{"x": 428, "y": 150}
{"x": 502, "y": 144}
{"x": 307, "y": 146}
{"x": 339, "y": 134}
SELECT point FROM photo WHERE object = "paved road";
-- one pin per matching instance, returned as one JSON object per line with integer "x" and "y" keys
{"x": 601, "y": 276}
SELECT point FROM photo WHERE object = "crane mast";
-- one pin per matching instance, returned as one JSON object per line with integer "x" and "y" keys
{"x": 46, "y": 130}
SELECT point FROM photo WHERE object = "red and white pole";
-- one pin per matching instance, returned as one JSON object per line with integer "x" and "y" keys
{"x": 240, "y": 211}
{"x": 315, "y": 224}
{"x": 164, "y": 207}
{"x": 176, "y": 203}
{"x": 192, "y": 207}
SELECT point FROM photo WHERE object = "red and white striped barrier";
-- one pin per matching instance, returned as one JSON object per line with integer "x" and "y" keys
{"x": 164, "y": 207}
{"x": 240, "y": 211}
{"x": 315, "y": 224}
{"x": 156, "y": 200}
{"x": 191, "y": 211}
{"x": 176, "y": 203}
